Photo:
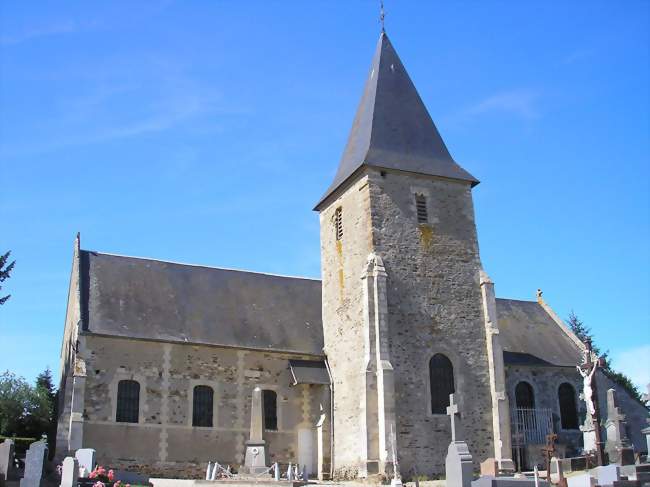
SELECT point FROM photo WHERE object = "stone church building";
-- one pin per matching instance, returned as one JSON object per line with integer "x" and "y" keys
{"x": 159, "y": 359}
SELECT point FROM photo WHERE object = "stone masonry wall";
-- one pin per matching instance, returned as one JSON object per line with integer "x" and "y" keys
{"x": 164, "y": 442}
{"x": 342, "y": 262}
{"x": 435, "y": 306}
{"x": 546, "y": 381}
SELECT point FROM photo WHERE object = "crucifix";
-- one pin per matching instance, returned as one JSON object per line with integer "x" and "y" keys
{"x": 452, "y": 412}
{"x": 590, "y": 395}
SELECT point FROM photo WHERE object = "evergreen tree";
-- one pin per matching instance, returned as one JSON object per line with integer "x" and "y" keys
{"x": 5, "y": 270}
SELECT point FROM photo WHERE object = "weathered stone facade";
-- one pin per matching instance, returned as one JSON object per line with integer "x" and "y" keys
{"x": 164, "y": 439}
{"x": 434, "y": 305}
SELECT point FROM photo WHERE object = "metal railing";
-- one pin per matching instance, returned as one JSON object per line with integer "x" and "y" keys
{"x": 530, "y": 426}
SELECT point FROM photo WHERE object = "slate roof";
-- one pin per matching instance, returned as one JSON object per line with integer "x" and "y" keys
{"x": 392, "y": 128}
{"x": 151, "y": 299}
{"x": 529, "y": 336}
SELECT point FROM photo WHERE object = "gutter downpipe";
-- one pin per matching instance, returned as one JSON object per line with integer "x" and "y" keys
{"x": 329, "y": 373}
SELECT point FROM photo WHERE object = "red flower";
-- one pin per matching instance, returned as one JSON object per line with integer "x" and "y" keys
{"x": 111, "y": 475}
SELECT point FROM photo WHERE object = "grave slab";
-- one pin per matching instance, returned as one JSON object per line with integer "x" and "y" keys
{"x": 34, "y": 463}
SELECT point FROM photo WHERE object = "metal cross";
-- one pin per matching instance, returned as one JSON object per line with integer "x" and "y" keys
{"x": 452, "y": 412}
{"x": 382, "y": 15}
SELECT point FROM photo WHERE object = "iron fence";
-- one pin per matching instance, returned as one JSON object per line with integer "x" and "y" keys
{"x": 530, "y": 426}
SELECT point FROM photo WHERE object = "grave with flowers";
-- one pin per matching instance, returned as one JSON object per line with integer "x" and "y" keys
{"x": 105, "y": 477}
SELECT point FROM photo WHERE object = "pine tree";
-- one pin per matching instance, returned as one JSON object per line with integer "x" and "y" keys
{"x": 5, "y": 271}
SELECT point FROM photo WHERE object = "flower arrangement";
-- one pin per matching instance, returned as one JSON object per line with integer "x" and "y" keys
{"x": 105, "y": 478}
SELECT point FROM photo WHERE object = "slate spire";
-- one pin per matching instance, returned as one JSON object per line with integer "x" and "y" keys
{"x": 392, "y": 128}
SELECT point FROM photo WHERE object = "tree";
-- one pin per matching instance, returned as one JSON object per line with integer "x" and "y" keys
{"x": 584, "y": 333}
{"x": 27, "y": 411}
{"x": 15, "y": 402}
{"x": 5, "y": 271}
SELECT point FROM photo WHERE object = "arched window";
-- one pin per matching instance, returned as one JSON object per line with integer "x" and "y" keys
{"x": 568, "y": 410}
{"x": 524, "y": 396}
{"x": 202, "y": 406}
{"x": 441, "y": 377}
{"x": 128, "y": 401}
{"x": 270, "y": 400}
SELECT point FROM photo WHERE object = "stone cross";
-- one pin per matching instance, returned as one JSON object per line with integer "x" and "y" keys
{"x": 618, "y": 445}
{"x": 452, "y": 412}
{"x": 70, "y": 472}
{"x": 34, "y": 463}
{"x": 7, "y": 469}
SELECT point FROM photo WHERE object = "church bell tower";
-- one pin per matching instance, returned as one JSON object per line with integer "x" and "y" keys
{"x": 402, "y": 308}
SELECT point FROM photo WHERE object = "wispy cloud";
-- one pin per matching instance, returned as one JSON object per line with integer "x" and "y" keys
{"x": 577, "y": 56}
{"x": 635, "y": 363}
{"x": 57, "y": 28}
{"x": 520, "y": 103}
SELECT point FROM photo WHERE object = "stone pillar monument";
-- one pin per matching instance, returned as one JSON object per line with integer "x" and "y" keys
{"x": 257, "y": 455}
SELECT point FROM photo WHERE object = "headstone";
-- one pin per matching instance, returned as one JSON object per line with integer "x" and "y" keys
{"x": 618, "y": 445}
{"x": 208, "y": 472}
{"x": 70, "y": 472}
{"x": 458, "y": 464}
{"x": 86, "y": 458}
{"x": 522, "y": 481}
{"x": 581, "y": 480}
{"x": 34, "y": 463}
{"x": 606, "y": 475}
{"x": 257, "y": 456}
{"x": 7, "y": 467}
{"x": 556, "y": 471}
{"x": 646, "y": 432}
{"x": 490, "y": 467}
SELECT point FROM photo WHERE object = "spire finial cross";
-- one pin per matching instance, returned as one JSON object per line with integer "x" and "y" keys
{"x": 382, "y": 15}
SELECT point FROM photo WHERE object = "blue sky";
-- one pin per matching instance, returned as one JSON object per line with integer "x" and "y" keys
{"x": 204, "y": 132}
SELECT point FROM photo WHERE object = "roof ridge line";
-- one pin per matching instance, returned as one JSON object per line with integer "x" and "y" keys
{"x": 232, "y": 269}
{"x": 560, "y": 322}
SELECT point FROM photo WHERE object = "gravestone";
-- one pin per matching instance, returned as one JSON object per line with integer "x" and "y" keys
{"x": 618, "y": 445}
{"x": 257, "y": 456}
{"x": 581, "y": 480}
{"x": 490, "y": 467}
{"x": 86, "y": 458}
{"x": 458, "y": 464}
{"x": 556, "y": 472}
{"x": 34, "y": 463}
{"x": 7, "y": 468}
{"x": 70, "y": 472}
{"x": 606, "y": 475}
{"x": 489, "y": 481}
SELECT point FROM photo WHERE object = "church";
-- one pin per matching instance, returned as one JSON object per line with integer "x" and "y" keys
{"x": 159, "y": 360}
